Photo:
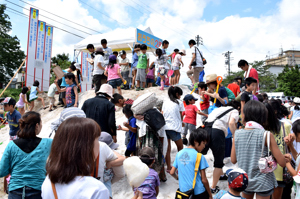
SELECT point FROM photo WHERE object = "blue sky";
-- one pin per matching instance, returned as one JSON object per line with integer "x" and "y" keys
{"x": 251, "y": 29}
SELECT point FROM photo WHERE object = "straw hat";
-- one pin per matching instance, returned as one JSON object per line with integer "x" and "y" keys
{"x": 106, "y": 89}
{"x": 211, "y": 78}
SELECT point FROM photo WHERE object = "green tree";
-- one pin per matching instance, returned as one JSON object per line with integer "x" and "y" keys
{"x": 229, "y": 78}
{"x": 11, "y": 56}
{"x": 288, "y": 81}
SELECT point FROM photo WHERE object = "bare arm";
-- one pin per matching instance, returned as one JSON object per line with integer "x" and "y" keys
{"x": 24, "y": 100}
{"x": 100, "y": 66}
{"x": 76, "y": 96}
{"x": 232, "y": 125}
{"x": 59, "y": 89}
{"x": 39, "y": 91}
{"x": 119, "y": 73}
{"x": 117, "y": 162}
{"x": 200, "y": 113}
{"x": 275, "y": 151}
{"x": 233, "y": 154}
{"x": 242, "y": 108}
{"x": 205, "y": 182}
{"x": 193, "y": 58}
{"x": 157, "y": 190}
{"x": 172, "y": 171}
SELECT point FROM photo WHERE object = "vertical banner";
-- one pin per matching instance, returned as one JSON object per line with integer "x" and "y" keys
{"x": 86, "y": 71}
{"x": 31, "y": 46}
{"x": 47, "y": 57}
{"x": 39, "y": 54}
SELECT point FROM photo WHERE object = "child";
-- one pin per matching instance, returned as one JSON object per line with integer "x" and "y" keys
{"x": 115, "y": 53}
{"x": 132, "y": 128}
{"x": 190, "y": 116}
{"x": 150, "y": 187}
{"x": 175, "y": 66}
{"x": 107, "y": 52}
{"x": 112, "y": 71}
{"x": 51, "y": 93}
{"x": 71, "y": 90}
{"x": 33, "y": 95}
{"x": 150, "y": 76}
{"x": 124, "y": 68}
{"x": 185, "y": 163}
{"x": 119, "y": 101}
{"x": 12, "y": 117}
{"x": 237, "y": 182}
{"x": 135, "y": 59}
{"x": 204, "y": 100}
{"x": 142, "y": 68}
{"x": 250, "y": 84}
{"x": 22, "y": 100}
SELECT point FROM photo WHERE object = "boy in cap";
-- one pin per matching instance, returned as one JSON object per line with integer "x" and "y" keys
{"x": 124, "y": 63}
{"x": 237, "y": 182}
{"x": 190, "y": 114}
{"x": 12, "y": 117}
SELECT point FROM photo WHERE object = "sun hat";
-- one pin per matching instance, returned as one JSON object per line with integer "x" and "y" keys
{"x": 77, "y": 65}
{"x": 211, "y": 78}
{"x": 182, "y": 51}
{"x": 106, "y": 89}
{"x": 189, "y": 97}
{"x": 112, "y": 58}
{"x": 99, "y": 49}
{"x": 107, "y": 139}
{"x": 122, "y": 52}
{"x": 297, "y": 100}
{"x": 237, "y": 179}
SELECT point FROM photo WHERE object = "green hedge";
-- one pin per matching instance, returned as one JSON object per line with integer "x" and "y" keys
{"x": 12, "y": 92}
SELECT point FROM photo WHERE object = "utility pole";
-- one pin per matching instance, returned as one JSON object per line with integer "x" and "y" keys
{"x": 227, "y": 60}
{"x": 199, "y": 40}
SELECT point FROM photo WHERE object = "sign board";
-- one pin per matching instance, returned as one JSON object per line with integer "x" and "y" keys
{"x": 47, "y": 55}
{"x": 86, "y": 72}
{"x": 143, "y": 37}
{"x": 58, "y": 72}
{"x": 39, "y": 55}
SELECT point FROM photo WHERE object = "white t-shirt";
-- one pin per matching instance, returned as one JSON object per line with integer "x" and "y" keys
{"x": 107, "y": 52}
{"x": 172, "y": 115}
{"x": 52, "y": 89}
{"x": 162, "y": 61}
{"x": 162, "y": 133}
{"x": 198, "y": 56}
{"x": 177, "y": 60}
{"x": 124, "y": 68}
{"x": 83, "y": 187}
{"x": 97, "y": 70}
{"x": 223, "y": 122}
{"x": 106, "y": 154}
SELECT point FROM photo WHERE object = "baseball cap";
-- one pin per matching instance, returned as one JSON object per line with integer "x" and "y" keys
{"x": 122, "y": 52}
{"x": 112, "y": 58}
{"x": 99, "y": 49}
{"x": 10, "y": 101}
{"x": 107, "y": 139}
{"x": 189, "y": 97}
{"x": 237, "y": 179}
{"x": 147, "y": 152}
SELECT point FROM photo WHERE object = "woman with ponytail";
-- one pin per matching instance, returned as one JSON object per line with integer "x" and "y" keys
{"x": 25, "y": 159}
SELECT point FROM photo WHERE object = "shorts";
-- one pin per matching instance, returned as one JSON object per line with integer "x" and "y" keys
{"x": 160, "y": 70}
{"x": 52, "y": 100}
{"x": 115, "y": 82}
{"x": 195, "y": 72}
{"x": 187, "y": 127}
{"x": 31, "y": 100}
{"x": 263, "y": 194}
{"x": 281, "y": 184}
{"x": 217, "y": 145}
{"x": 127, "y": 138}
{"x": 203, "y": 195}
{"x": 173, "y": 135}
{"x": 149, "y": 80}
{"x": 128, "y": 153}
{"x": 203, "y": 118}
{"x": 141, "y": 75}
{"x": 13, "y": 137}
{"x": 175, "y": 67}
{"x": 125, "y": 75}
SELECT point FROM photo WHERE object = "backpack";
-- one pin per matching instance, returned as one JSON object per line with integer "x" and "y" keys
{"x": 230, "y": 94}
{"x": 154, "y": 119}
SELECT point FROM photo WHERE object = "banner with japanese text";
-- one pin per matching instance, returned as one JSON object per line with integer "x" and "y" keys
{"x": 47, "y": 56}
{"x": 86, "y": 71}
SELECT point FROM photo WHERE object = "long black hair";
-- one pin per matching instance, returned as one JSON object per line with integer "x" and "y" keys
{"x": 255, "y": 111}
{"x": 24, "y": 90}
{"x": 158, "y": 52}
{"x": 112, "y": 63}
{"x": 172, "y": 92}
{"x": 273, "y": 123}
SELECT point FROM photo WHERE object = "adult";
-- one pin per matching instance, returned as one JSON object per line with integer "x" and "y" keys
{"x": 196, "y": 68}
{"x": 220, "y": 119}
{"x": 99, "y": 67}
{"x": 25, "y": 159}
{"x": 221, "y": 96}
{"x": 249, "y": 72}
{"x": 295, "y": 110}
{"x": 234, "y": 87}
{"x": 107, "y": 52}
{"x": 102, "y": 110}
{"x": 72, "y": 161}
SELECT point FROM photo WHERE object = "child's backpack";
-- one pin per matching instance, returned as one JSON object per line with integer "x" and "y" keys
{"x": 230, "y": 94}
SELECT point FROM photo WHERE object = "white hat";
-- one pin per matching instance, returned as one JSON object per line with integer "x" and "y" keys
{"x": 106, "y": 89}
{"x": 297, "y": 100}
{"x": 77, "y": 65}
{"x": 182, "y": 51}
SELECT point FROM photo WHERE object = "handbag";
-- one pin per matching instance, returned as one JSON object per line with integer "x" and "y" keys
{"x": 190, "y": 193}
{"x": 287, "y": 177}
{"x": 267, "y": 164}
{"x": 194, "y": 63}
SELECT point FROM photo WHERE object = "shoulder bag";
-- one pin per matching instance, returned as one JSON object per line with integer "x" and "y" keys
{"x": 194, "y": 63}
{"x": 266, "y": 164}
{"x": 190, "y": 193}
{"x": 287, "y": 177}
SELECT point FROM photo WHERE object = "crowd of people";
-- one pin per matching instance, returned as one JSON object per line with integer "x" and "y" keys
{"x": 238, "y": 124}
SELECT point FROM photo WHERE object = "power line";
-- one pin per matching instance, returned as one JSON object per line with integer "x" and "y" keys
{"x": 24, "y": 15}
{"x": 61, "y": 17}
{"x": 50, "y": 18}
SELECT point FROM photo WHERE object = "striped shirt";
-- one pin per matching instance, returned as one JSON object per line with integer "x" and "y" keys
{"x": 248, "y": 145}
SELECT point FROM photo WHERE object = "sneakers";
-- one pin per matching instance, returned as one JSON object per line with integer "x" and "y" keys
{"x": 138, "y": 89}
{"x": 142, "y": 88}
{"x": 184, "y": 141}
{"x": 223, "y": 177}
{"x": 215, "y": 190}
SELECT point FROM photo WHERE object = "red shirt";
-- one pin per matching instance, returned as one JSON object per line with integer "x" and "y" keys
{"x": 190, "y": 114}
{"x": 205, "y": 103}
{"x": 234, "y": 88}
{"x": 253, "y": 73}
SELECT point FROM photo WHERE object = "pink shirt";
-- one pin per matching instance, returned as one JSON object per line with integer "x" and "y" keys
{"x": 190, "y": 114}
{"x": 112, "y": 72}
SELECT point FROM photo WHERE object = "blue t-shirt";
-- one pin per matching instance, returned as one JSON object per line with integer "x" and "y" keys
{"x": 135, "y": 59}
{"x": 26, "y": 169}
{"x": 223, "y": 93}
{"x": 13, "y": 121}
{"x": 63, "y": 82}
{"x": 132, "y": 143}
{"x": 185, "y": 163}
{"x": 222, "y": 194}
{"x": 296, "y": 114}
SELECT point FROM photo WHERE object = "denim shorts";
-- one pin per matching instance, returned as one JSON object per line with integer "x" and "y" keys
{"x": 115, "y": 82}
{"x": 173, "y": 135}
{"x": 263, "y": 194}
{"x": 29, "y": 193}
{"x": 149, "y": 80}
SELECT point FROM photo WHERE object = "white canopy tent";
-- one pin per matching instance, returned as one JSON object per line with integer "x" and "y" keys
{"x": 117, "y": 40}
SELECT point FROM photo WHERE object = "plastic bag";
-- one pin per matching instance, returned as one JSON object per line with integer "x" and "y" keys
{"x": 135, "y": 170}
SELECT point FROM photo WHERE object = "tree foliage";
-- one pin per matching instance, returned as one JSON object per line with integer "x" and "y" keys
{"x": 11, "y": 56}
{"x": 289, "y": 81}
{"x": 229, "y": 78}
{"x": 62, "y": 60}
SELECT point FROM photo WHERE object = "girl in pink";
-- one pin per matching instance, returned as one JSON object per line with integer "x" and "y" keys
{"x": 113, "y": 74}
{"x": 22, "y": 100}
{"x": 150, "y": 76}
